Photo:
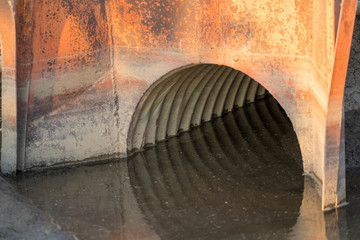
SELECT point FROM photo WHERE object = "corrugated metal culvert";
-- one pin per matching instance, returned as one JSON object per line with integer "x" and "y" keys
{"x": 187, "y": 97}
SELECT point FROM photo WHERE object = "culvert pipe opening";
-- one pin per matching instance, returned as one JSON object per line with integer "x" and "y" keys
{"x": 236, "y": 172}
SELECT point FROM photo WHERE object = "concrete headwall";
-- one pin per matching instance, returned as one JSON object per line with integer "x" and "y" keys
{"x": 352, "y": 102}
{"x": 77, "y": 69}
{"x": 82, "y": 67}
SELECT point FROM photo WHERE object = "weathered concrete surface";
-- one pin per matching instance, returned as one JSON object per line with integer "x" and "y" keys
{"x": 8, "y": 87}
{"x": 333, "y": 180}
{"x": 83, "y": 66}
{"x": 21, "y": 220}
{"x": 352, "y": 101}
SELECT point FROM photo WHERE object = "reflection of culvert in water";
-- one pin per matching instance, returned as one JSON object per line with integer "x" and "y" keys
{"x": 236, "y": 176}
{"x": 187, "y": 97}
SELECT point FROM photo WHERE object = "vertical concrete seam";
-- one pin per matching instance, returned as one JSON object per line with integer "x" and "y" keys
{"x": 112, "y": 75}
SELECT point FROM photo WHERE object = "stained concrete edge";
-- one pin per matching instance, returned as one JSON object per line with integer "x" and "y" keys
{"x": 19, "y": 219}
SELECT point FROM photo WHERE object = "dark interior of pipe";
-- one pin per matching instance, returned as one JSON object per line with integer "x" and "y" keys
{"x": 186, "y": 98}
{"x": 239, "y": 175}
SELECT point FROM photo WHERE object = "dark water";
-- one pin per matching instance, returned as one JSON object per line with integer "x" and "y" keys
{"x": 237, "y": 177}
{"x": 234, "y": 177}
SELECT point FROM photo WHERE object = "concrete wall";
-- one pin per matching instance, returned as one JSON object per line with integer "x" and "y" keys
{"x": 82, "y": 66}
{"x": 352, "y": 102}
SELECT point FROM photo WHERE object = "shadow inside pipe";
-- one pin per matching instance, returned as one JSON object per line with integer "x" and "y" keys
{"x": 237, "y": 176}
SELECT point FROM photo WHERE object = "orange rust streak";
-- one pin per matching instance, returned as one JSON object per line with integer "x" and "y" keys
{"x": 342, "y": 54}
{"x": 7, "y": 36}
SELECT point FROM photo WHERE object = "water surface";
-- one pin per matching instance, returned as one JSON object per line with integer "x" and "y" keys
{"x": 237, "y": 177}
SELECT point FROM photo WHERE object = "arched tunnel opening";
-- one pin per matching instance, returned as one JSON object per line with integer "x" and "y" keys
{"x": 211, "y": 145}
